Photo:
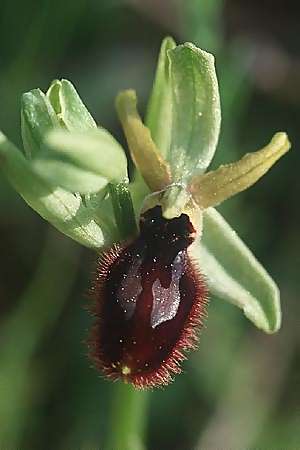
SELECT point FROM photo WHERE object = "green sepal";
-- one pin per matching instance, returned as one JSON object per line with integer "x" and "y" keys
{"x": 234, "y": 274}
{"x": 183, "y": 113}
{"x": 196, "y": 113}
{"x": 159, "y": 111}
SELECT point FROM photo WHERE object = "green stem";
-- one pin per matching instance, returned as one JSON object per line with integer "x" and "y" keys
{"x": 123, "y": 209}
{"x": 127, "y": 418}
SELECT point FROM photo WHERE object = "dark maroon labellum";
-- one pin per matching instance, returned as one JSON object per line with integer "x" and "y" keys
{"x": 149, "y": 300}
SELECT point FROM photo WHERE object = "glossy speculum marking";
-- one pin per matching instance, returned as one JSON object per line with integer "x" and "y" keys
{"x": 149, "y": 299}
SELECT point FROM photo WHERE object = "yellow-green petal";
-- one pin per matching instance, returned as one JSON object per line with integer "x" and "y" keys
{"x": 144, "y": 152}
{"x": 214, "y": 187}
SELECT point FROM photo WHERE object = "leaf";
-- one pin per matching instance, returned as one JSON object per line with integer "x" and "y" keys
{"x": 159, "y": 112}
{"x": 69, "y": 106}
{"x": 196, "y": 114}
{"x": 37, "y": 118}
{"x": 94, "y": 151}
{"x": 61, "y": 208}
{"x": 214, "y": 187}
{"x": 234, "y": 274}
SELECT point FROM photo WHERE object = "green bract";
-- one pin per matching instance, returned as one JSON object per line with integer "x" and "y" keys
{"x": 74, "y": 174}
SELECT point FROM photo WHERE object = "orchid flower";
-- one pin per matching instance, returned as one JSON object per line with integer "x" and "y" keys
{"x": 75, "y": 175}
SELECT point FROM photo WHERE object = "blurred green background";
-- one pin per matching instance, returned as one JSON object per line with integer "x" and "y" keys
{"x": 241, "y": 390}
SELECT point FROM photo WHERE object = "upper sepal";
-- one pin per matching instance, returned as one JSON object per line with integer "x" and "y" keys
{"x": 183, "y": 113}
{"x": 159, "y": 111}
{"x": 196, "y": 113}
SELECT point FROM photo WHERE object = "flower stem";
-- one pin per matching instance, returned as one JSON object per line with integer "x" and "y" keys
{"x": 127, "y": 418}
